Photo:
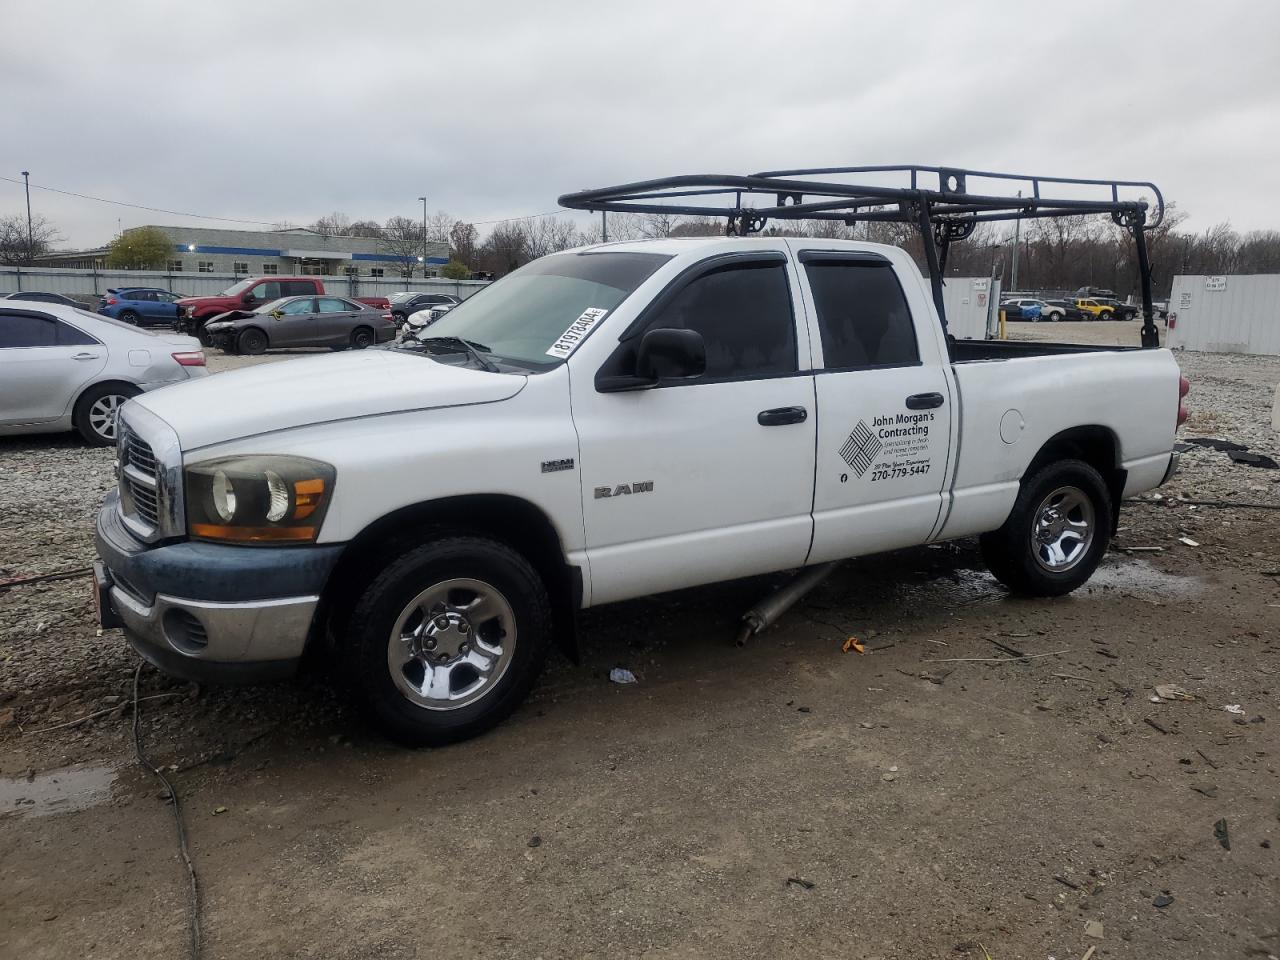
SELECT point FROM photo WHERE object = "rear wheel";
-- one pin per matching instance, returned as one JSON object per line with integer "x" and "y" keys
{"x": 129, "y": 316}
{"x": 361, "y": 337}
{"x": 203, "y": 336}
{"x": 96, "y": 412}
{"x": 449, "y": 638}
{"x": 251, "y": 341}
{"x": 1056, "y": 534}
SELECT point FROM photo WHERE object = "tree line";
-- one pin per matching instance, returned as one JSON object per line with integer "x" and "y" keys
{"x": 1061, "y": 254}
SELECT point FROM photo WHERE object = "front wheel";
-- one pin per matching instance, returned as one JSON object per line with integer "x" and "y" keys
{"x": 1105, "y": 315}
{"x": 449, "y": 638}
{"x": 1057, "y": 533}
{"x": 252, "y": 341}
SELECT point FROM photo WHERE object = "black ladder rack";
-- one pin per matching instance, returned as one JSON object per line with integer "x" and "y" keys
{"x": 936, "y": 200}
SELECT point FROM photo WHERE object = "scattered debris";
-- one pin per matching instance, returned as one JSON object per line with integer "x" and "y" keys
{"x": 1088, "y": 954}
{"x": 800, "y": 882}
{"x": 1072, "y": 676}
{"x": 1029, "y": 656}
{"x": 535, "y": 841}
{"x": 1154, "y": 725}
{"x": 1222, "y": 835}
{"x": 1188, "y": 541}
{"x": 804, "y": 710}
{"x": 853, "y": 643}
{"x": 1234, "y": 708}
{"x": 1012, "y": 651}
{"x": 1066, "y": 882}
{"x": 1205, "y": 757}
{"x": 622, "y": 675}
{"x": 888, "y": 777}
{"x": 1162, "y": 901}
{"x": 1093, "y": 930}
{"x": 937, "y": 676}
{"x": 1253, "y": 459}
{"x": 1141, "y": 549}
{"x": 1171, "y": 691}
{"x": 218, "y": 810}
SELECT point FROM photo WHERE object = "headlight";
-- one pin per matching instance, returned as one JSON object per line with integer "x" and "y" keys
{"x": 258, "y": 499}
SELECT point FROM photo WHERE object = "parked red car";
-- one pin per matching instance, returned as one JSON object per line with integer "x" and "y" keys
{"x": 195, "y": 312}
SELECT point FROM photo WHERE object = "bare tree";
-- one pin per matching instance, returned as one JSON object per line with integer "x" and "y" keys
{"x": 439, "y": 226}
{"x": 364, "y": 228}
{"x": 16, "y": 246}
{"x": 336, "y": 224}
{"x": 464, "y": 241}
{"x": 546, "y": 235}
{"x": 402, "y": 241}
{"x": 654, "y": 226}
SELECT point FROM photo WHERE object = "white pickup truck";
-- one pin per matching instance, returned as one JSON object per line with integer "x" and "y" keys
{"x": 605, "y": 423}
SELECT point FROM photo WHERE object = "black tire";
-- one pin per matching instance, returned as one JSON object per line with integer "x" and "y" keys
{"x": 251, "y": 341}
{"x": 362, "y": 338}
{"x": 129, "y": 316}
{"x": 203, "y": 336}
{"x": 394, "y": 592}
{"x": 88, "y": 416}
{"x": 1105, "y": 315}
{"x": 398, "y": 317}
{"x": 1022, "y": 567}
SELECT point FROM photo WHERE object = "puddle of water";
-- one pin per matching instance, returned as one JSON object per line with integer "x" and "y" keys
{"x": 56, "y": 791}
{"x": 1138, "y": 578}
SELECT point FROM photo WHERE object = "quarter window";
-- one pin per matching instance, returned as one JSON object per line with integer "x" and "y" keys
{"x": 332, "y": 305}
{"x": 266, "y": 292}
{"x": 270, "y": 269}
{"x": 69, "y": 336}
{"x": 743, "y": 312}
{"x": 25, "y": 330}
{"x": 862, "y": 314}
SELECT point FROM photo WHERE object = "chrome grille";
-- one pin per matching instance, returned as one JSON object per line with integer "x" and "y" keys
{"x": 149, "y": 465}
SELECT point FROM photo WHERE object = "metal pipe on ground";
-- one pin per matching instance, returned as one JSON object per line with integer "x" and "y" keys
{"x": 767, "y": 611}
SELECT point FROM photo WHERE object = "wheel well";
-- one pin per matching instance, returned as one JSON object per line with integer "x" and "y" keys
{"x": 509, "y": 520}
{"x": 363, "y": 326}
{"x": 130, "y": 388}
{"x": 240, "y": 333}
{"x": 1096, "y": 446}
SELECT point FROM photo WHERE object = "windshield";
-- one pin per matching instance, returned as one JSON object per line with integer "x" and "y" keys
{"x": 536, "y": 316}
{"x": 236, "y": 289}
{"x": 401, "y": 297}
{"x": 273, "y": 305}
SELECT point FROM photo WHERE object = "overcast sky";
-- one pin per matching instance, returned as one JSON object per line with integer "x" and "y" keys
{"x": 286, "y": 111}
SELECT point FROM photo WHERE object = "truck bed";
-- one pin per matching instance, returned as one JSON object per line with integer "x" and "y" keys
{"x": 971, "y": 351}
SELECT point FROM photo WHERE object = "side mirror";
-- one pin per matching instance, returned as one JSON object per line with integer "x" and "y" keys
{"x": 663, "y": 354}
{"x": 248, "y": 299}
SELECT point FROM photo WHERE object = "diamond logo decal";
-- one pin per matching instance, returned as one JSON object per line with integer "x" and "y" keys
{"x": 860, "y": 449}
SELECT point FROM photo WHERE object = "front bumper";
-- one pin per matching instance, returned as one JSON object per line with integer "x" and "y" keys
{"x": 207, "y": 611}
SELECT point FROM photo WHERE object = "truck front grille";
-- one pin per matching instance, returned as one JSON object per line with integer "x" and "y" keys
{"x": 148, "y": 505}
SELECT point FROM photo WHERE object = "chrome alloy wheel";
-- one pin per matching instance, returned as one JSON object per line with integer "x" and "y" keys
{"x": 1063, "y": 529}
{"x": 451, "y": 644}
{"x": 103, "y": 413}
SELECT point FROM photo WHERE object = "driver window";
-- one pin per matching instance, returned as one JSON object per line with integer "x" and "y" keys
{"x": 297, "y": 307}
{"x": 266, "y": 292}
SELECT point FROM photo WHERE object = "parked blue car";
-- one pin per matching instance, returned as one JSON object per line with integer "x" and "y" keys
{"x": 1022, "y": 309}
{"x": 142, "y": 306}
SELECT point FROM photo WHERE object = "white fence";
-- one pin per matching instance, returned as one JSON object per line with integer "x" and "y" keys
{"x": 1233, "y": 314}
{"x": 970, "y": 305}
{"x": 87, "y": 285}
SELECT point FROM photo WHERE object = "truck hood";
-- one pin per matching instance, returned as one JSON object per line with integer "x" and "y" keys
{"x": 321, "y": 389}
{"x": 208, "y": 301}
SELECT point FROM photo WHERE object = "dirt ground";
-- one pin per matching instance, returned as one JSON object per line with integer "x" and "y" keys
{"x": 786, "y": 799}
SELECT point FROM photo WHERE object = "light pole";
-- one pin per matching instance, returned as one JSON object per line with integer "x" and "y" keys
{"x": 424, "y": 237}
{"x": 31, "y": 245}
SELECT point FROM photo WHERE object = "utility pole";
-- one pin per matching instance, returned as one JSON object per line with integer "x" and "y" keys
{"x": 1017, "y": 241}
{"x": 424, "y": 237}
{"x": 604, "y": 226}
{"x": 31, "y": 244}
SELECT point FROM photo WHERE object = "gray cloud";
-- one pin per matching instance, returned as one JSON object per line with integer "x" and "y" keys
{"x": 286, "y": 111}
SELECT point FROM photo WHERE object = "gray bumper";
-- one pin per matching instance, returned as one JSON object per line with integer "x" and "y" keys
{"x": 1172, "y": 469}
{"x": 206, "y": 611}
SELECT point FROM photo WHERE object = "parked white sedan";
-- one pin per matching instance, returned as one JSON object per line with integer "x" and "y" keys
{"x": 63, "y": 369}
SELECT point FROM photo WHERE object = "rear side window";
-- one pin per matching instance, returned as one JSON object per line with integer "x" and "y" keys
{"x": 862, "y": 314}
{"x": 270, "y": 291}
{"x": 743, "y": 312}
{"x": 294, "y": 288}
{"x": 26, "y": 330}
{"x": 332, "y": 305}
{"x": 69, "y": 336}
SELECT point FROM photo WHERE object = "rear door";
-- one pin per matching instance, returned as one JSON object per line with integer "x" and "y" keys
{"x": 884, "y": 404}
{"x": 710, "y": 478}
{"x": 335, "y": 319}
{"x": 43, "y": 364}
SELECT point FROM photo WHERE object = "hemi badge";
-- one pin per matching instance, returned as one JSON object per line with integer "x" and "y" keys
{"x": 555, "y": 466}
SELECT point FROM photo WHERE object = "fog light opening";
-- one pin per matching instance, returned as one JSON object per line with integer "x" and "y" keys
{"x": 185, "y": 631}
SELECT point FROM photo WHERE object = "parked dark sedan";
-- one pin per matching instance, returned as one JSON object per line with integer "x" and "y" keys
{"x": 39, "y": 296}
{"x": 334, "y": 322}
{"x": 404, "y": 304}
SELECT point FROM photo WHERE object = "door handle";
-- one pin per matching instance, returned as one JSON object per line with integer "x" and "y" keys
{"x": 780, "y": 416}
{"x": 924, "y": 401}
{"x": 84, "y": 356}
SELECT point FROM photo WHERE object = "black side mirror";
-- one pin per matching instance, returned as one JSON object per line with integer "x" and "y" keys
{"x": 663, "y": 354}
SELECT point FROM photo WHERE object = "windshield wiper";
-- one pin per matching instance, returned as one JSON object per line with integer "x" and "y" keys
{"x": 470, "y": 348}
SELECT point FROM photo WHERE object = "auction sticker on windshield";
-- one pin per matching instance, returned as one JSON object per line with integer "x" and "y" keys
{"x": 568, "y": 341}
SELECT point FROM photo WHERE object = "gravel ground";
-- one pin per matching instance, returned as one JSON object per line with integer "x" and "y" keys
{"x": 883, "y": 806}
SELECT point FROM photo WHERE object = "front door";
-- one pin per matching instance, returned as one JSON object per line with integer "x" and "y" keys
{"x": 296, "y": 325}
{"x": 707, "y": 479}
{"x": 884, "y": 407}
